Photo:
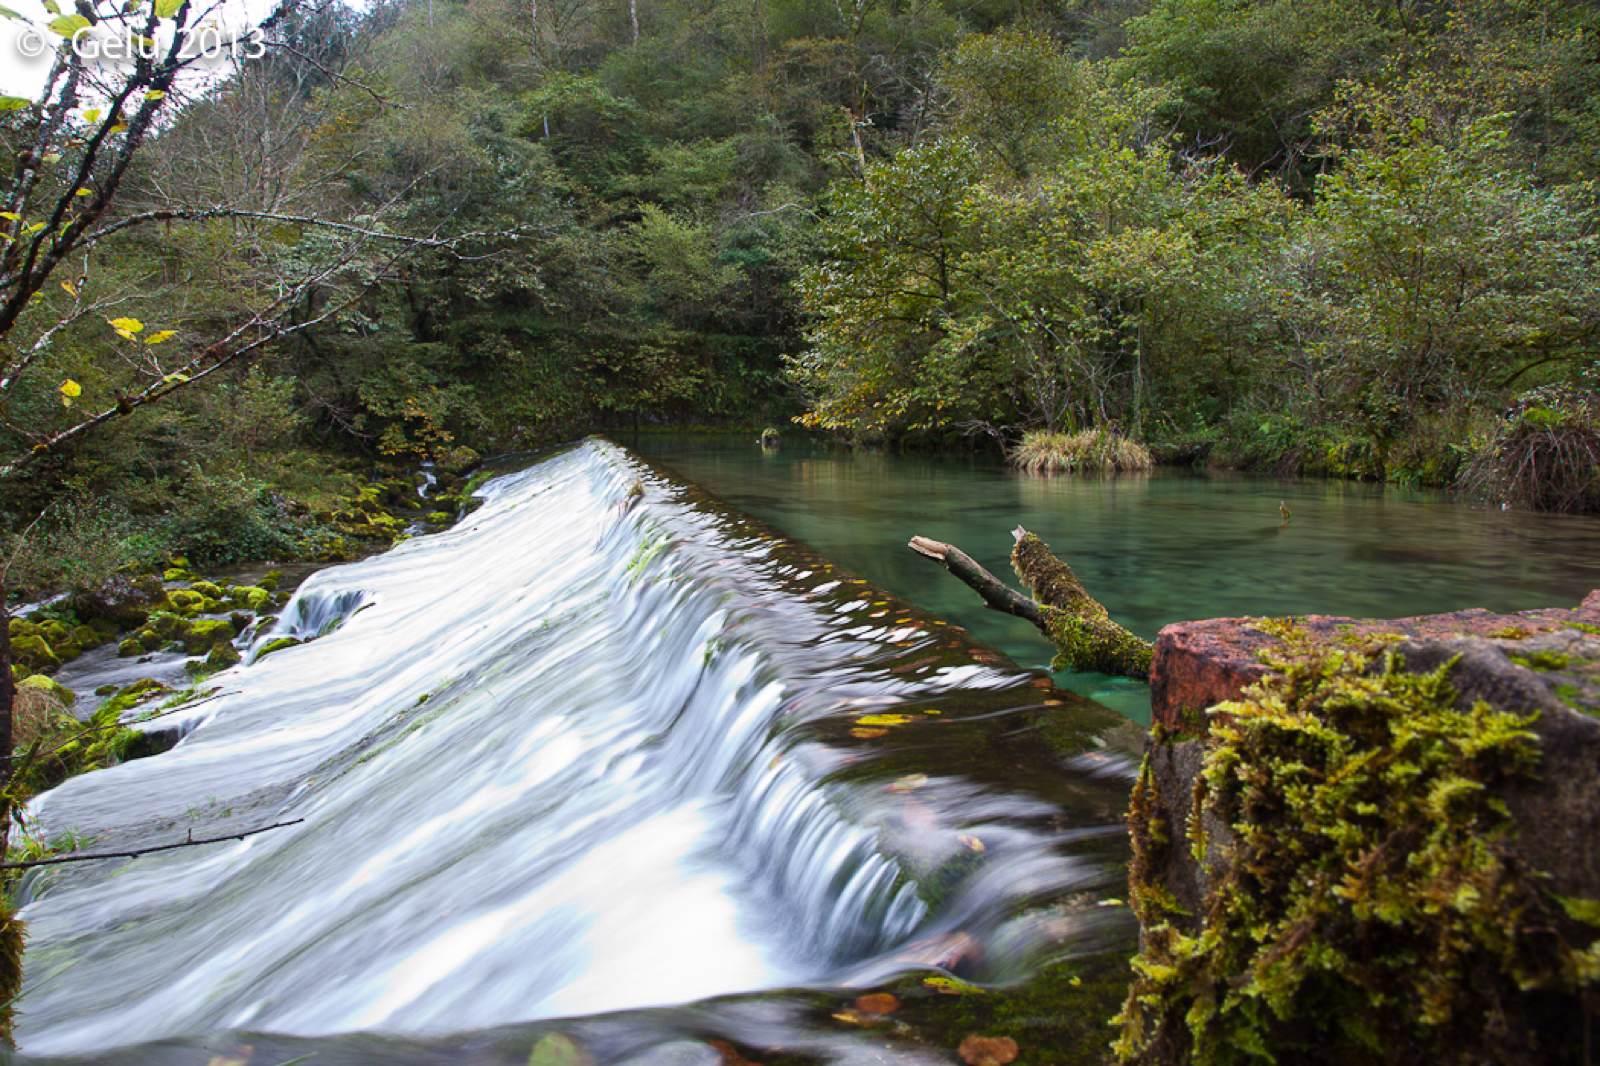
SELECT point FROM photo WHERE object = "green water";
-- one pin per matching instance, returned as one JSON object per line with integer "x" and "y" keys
{"x": 1155, "y": 549}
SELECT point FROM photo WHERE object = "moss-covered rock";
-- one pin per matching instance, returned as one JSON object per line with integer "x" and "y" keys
{"x": 186, "y": 602}
{"x": 277, "y": 644}
{"x": 31, "y": 651}
{"x": 208, "y": 589}
{"x": 206, "y": 633}
{"x": 54, "y": 689}
{"x": 1375, "y": 849}
{"x": 250, "y": 597}
{"x": 130, "y": 647}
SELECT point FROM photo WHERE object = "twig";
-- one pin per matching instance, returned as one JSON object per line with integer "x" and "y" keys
{"x": 190, "y": 842}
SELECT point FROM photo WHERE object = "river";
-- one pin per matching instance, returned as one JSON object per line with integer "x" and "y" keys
{"x": 612, "y": 773}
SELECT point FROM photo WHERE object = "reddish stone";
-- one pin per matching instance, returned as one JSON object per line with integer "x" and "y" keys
{"x": 1198, "y": 664}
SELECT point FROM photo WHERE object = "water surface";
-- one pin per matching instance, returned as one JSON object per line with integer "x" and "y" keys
{"x": 1155, "y": 549}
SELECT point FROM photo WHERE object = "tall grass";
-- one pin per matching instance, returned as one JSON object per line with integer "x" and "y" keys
{"x": 1545, "y": 455}
{"x": 1091, "y": 451}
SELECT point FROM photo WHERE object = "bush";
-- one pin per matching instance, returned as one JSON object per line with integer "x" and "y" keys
{"x": 1545, "y": 454}
{"x": 1099, "y": 451}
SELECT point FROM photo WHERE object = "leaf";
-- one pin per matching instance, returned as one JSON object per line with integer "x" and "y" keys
{"x": 7, "y": 13}
{"x": 877, "y": 1003}
{"x": 92, "y": 115}
{"x": 68, "y": 26}
{"x": 10, "y": 216}
{"x": 558, "y": 1049}
{"x": 161, "y": 336}
{"x": 177, "y": 377}
{"x": 978, "y": 1050}
{"x": 30, "y": 230}
{"x": 83, "y": 192}
{"x": 155, "y": 94}
{"x": 126, "y": 327}
{"x": 70, "y": 289}
{"x": 952, "y": 986}
{"x": 166, "y": 9}
{"x": 14, "y": 103}
{"x": 70, "y": 390}
{"x": 883, "y": 719}
{"x": 972, "y": 843}
{"x": 908, "y": 783}
{"x": 868, "y": 734}
{"x": 52, "y": 7}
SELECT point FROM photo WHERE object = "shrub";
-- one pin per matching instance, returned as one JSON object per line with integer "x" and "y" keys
{"x": 1095, "y": 451}
{"x": 1544, "y": 455}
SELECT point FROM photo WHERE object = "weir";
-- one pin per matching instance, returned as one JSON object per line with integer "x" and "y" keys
{"x": 602, "y": 746}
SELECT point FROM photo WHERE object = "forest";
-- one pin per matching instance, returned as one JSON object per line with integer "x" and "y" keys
{"x": 1349, "y": 238}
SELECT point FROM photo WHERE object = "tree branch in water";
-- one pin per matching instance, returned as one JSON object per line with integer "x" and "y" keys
{"x": 191, "y": 842}
{"x": 1082, "y": 630}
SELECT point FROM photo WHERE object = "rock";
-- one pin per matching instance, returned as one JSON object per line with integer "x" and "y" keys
{"x": 277, "y": 644}
{"x": 1534, "y": 827}
{"x": 122, "y": 600}
{"x": 31, "y": 651}
{"x": 49, "y": 686}
{"x": 207, "y": 589}
{"x": 206, "y": 633}
{"x": 1198, "y": 664}
{"x": 186, "y": 601}
{"x": 130, "y": 647}
{"x": 250, "y": 597}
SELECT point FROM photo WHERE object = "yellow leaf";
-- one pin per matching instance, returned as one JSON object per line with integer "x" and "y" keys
{"x": 972, "y": 843}
{"x": 71, "y": 289}
{"x": 154, "y": 95}
{"x": 10, "y": 216}
{"x": 883, "y": 719}
{"x": 161, "y": 336}
{"x": 83, "y": 192}
{"x": 70, "y": 390}
{"x": 92, "y": 115}
{"x": 125, "y": 327}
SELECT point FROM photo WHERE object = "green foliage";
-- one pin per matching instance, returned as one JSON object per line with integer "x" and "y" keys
{"x": 1367, "y": 900}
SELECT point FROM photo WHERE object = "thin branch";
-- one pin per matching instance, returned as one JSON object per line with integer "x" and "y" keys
{"x": 190, "y": 842}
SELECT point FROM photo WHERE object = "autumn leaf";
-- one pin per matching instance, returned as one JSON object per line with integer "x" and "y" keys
{"x": 70, "y": 390}
{"x": 978, "y": 1050}
{"x": 951, "y": 986}
{"x": 161, "y": 336}
{"x": 877, "y": 1003}
{"x": 868, "y": 734}
{"x": 908, "y": 783}
{"x": 883, "y": 719}
{"x": 70, "y": 289}
{"x": 126, "y": 328}
{"x": 972, "y": 843}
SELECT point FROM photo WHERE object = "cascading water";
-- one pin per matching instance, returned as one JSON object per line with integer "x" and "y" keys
{"x": 599, "y": 747}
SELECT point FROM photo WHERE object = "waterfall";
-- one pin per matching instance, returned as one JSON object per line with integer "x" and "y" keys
{"x": 590, "y": 750}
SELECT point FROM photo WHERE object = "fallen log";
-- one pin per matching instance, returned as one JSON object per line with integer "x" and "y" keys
{"x": 1081, "y": 628}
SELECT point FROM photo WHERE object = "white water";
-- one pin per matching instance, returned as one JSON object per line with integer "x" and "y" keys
{"x": 561, "y": 759}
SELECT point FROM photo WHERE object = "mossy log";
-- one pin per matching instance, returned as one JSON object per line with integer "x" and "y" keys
{"x": 1085, "y": 636}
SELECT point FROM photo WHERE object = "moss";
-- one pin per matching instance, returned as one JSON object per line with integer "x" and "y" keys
{"x": 206, "y": 633}
{"x": 440, "y": 518}
{"x": 221, "y": 656}
{"x": 1585, "y": 627}
{"x": 1511, "y": 633}
{"x": 186, "y": 602}
{"x": 250, "y": 597}
{"x": 1543, "y": 659}
{"x": 1367, "y": 900}
{"x": 54, "y": 689}
{"x": 32, "y": 651}
{"x": 278, "y": 644}
{"x": 1084, "y": 634}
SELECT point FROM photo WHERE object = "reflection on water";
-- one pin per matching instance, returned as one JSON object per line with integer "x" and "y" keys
{"x": 590, "y": 751}
{"x": 1156, "y": 549}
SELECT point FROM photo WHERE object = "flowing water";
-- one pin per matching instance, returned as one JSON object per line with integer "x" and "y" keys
{"x": 601, "y": 749}
{"x": 611, "y": 773}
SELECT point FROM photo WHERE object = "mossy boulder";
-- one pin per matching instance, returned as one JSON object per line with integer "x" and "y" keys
{"x": 1376, "y": 847}
{"x": 122, "y": 601}
{"x": 270, "y": 580}
{"x": 206, "y": 633}
{"x": 51, "y": 687}
{"x": 208, "y": 589}
{"x": 87, "y": 637}
{"x": 130, "y": 647}
{"x": 250, "y": 597}
{"x": 188, "y": 602}
{"x": 277, "y": 644}
{"x": 31, "y": 651}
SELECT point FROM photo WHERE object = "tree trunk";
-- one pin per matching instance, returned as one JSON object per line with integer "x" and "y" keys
{"x": 1082, "y": 630}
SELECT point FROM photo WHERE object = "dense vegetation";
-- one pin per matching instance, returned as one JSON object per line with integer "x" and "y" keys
{"x": 1353, "y": 238}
